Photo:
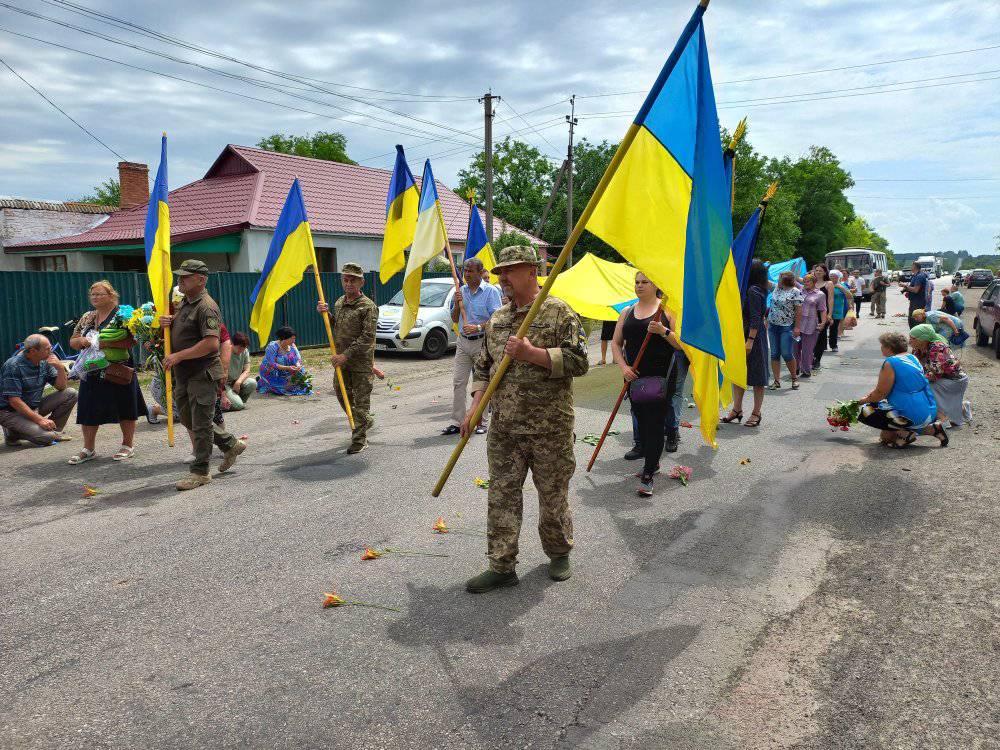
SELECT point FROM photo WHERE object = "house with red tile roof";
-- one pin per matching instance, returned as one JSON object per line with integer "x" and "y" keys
{"x": 227, "y": 218}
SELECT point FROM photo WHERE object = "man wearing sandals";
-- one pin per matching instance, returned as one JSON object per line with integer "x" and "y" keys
{"x": 24, "y": 413}
{"x": 198, "y": 373}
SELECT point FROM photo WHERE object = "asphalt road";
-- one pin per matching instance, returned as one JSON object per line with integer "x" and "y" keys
{"x": 826, "y": 594}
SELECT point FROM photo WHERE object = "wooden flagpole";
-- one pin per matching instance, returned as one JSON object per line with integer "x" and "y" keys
{"x": 451, "y": 262}
{"x": 168, "y": 379}
{"x": 564, "y": 255}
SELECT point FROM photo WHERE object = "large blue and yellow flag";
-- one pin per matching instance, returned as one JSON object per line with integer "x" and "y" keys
{"x": 477, "y": 244}
{"x": 157, "y": 237}
{"x": 430, "y": 240}
{"x": 666, "y": 208}
{"x": 400, "y": 218}
{"x": 290, "y": 254}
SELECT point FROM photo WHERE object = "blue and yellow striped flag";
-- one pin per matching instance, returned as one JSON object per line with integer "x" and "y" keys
{"x": 667, "y": 210}
{"x": 477, "y": 244}
{"x": 290, "y": 254}
{"x": 157, "y": 238}
{"x": 400, "y": 218}
{"x": 430, "y": 240}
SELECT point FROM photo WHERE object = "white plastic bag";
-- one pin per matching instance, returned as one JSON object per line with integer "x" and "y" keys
{"x": 90, "y": 359}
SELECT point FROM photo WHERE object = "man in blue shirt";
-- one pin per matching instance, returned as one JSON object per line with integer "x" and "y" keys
{"x": 478, "y": 303}
{"x": 24, "y": 413}
{"x": 916, "y": 291}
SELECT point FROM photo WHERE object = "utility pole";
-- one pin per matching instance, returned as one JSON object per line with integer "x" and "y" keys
{"x": 488, "y": 112}
{"x": 571, "y": 119}
{"x": 545, "y": 212}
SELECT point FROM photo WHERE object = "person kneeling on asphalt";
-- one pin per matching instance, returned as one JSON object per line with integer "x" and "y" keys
{"x": 240, "y": 385}
{"x": 197, "y": 370}
{"x": 24, "y": 413}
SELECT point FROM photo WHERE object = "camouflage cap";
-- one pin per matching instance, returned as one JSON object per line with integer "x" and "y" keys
{"x": 352, "y": 269}
{"x": 516, "y": 255}
{"x": 189, "y": 267}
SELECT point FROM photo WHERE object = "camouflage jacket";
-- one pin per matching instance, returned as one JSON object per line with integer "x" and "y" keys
{"x": 531, "y": 399}
{"x": 354, "y": 331}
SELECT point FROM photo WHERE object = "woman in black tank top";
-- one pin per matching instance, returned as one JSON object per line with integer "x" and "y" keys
{"x": 646, "y": 316}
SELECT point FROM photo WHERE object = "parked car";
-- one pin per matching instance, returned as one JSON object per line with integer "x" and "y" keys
{"x": 979, "y": 277}
{"x": 987, "y": 323}
{"x": 432, "y": 334}
{"x": 905, "y": 275}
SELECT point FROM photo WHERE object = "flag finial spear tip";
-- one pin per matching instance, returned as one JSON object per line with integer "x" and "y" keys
{"x": 703, "y": 3}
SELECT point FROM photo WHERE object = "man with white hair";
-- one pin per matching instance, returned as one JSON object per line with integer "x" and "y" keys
{"x": 24, "y": 413}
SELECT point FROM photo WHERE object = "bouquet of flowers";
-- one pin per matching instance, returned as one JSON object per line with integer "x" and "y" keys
{"x": 843, "y": 414}
{"x": 302, "y": 379}
{"x": 144, "y": 325}
{"x": 117, "y": 330}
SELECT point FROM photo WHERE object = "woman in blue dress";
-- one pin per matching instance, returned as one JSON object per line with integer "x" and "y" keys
{"x": 902, "y": 404}
{"x": 281, "y": 371}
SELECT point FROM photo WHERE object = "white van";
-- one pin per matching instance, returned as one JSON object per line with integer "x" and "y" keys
{"x": 861, "y": 259}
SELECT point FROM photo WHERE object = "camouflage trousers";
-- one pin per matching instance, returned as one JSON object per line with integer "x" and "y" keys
{"x": 550, "y": 458}
{"x": 359, "y": 385}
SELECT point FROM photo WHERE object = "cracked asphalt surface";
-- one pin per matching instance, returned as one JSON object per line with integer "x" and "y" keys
{"x": 828, "y": 594}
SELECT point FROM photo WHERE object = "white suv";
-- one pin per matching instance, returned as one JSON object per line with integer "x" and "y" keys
{"x": 433, "y": 333}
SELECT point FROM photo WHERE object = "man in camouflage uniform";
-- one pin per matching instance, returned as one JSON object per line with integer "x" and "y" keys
{"x": 354, "y": 317}
{"x": 532, "y": 424}
{"x": 198, "y": 375}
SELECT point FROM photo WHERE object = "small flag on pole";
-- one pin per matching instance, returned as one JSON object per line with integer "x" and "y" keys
{"x": 290, "y": 254}
{"x": 430, "y": 240}
{"x": 400, "y": 218}
{"x": 477, "y": 244}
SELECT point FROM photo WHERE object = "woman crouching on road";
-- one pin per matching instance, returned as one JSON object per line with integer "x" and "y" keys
{"x": 944, "y": 372}
{"x": 901, "y": 404}
{"x": 653, "y": 380}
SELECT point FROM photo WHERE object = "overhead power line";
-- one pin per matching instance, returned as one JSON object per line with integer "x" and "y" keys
{"x": 254, "y": 81}
{"x": 61, "y": 110}
{"x": 536, "y": 132}
{"x": 241, "y": 95}
{"x": 815, "y": 72}
{"x": 926, "y": 179}
{"x": 126, "y": 25}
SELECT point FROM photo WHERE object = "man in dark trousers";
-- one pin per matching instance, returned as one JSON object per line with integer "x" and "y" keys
{"x": 198, "y": 375}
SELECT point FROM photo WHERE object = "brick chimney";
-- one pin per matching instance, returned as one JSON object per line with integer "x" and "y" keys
{"x": 134, "y": 180}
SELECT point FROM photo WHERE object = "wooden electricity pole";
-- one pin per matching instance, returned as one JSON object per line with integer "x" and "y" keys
{"x": 571, "y": 119}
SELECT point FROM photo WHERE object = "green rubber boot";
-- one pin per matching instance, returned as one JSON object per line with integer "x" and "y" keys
{"x": 559, "y": 568}
{"x": 490, "y": 580}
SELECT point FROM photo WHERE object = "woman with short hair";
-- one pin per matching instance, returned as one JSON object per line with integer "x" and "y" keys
{"x": 814, "y": 320}
{"x": 281, "y": 365}
{"x": 102, "y": 401}
{"x": 824, "y": 285}
{"x": 784, "y": 326}
{"x": 901, "y": 404}
{"x": 239, "y": 384}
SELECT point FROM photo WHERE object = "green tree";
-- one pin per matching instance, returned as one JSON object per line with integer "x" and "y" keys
{"x": 322, "y": 145}
{"x": 522, "y": 181}
{"x": 590, "y": 161}
{"x": 754, "y": 173}
{"x": 508, "y": 238}
{"x": 108, "y": 193}
{"x": 822, "y": 210}
{"x": 859, "y": 233}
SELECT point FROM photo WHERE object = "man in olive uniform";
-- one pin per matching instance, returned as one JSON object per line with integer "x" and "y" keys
{"x": 198, "y": 374}
{"x": 354, "y": 317}
{"x": 532, "y": 424}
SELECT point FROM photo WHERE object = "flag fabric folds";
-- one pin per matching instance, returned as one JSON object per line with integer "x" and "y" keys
{"x": 400, "y": 218}
{"x": 477, "y": 244}
{"x": 430, "y": 239}
{"x": 290, "y": 254}
{"x": 157, "y": 238}
{"x": 667, "y": 210}
{"x": 745, "y": 245}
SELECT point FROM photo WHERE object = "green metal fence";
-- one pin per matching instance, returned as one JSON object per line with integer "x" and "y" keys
{"x": 32, "y": 299}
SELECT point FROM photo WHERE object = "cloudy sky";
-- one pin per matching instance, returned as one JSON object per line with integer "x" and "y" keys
{"x": 926, "y": 157}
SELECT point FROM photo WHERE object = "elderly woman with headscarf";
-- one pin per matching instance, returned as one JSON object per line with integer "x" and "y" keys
{"x": 944, "y": 372}
{"x": 901, "y": 404}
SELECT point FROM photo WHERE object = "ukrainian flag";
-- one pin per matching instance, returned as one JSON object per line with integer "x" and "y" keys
{"x": 430, "y": 239}
{"x": 400, "y": 218}
{"x": 666, "y": 209}
{"x": 477, "y": 244}
{"x": 290, "y": 254}
{"x": 157, "y": 238}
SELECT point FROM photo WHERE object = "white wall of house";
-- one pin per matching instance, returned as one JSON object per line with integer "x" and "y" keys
{"x": 24, "y": 225}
